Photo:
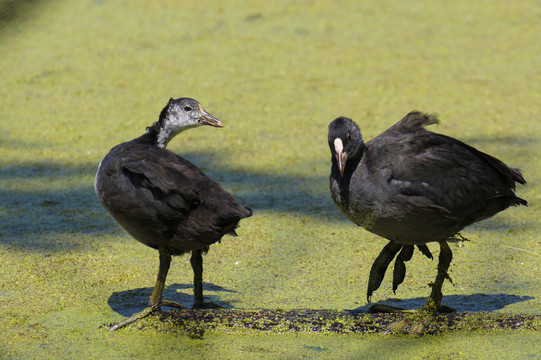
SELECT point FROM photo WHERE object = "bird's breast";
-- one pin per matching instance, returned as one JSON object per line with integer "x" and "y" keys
{"x": 352, "y": 203}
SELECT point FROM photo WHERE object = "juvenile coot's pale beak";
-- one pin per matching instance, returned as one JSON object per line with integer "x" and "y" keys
{"x": 341, "y": 156}
{"x": 207, "y": 119}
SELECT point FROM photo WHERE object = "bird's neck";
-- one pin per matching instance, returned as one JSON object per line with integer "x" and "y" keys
{"x": 354, "y": 160}
{"x": 158, "y": 135}
{"x": 165, "y": 134}
{"x": 359, "y": 150}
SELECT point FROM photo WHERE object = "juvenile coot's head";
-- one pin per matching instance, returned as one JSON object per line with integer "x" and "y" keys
{"x": 181, "y": 114}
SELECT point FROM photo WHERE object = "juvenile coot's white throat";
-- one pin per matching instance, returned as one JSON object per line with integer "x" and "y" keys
{"x": 164, "y": 201}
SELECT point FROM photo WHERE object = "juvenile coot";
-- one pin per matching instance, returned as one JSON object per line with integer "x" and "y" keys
{"x": 412, "y": 186}
{"x": 164, "y": 201}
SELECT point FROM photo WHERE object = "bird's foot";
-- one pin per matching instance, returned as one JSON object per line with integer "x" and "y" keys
{"x": 415, "y": 326}
{"x": 382, "y": 308}
{"x": 146, "y": 312}
{"x": 415, "y": 322}
{"x": 140, "y": 315}
{"x": 173, "y": 304}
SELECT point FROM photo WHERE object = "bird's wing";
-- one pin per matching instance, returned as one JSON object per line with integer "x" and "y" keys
{"x": 447, "y": 173}
{"x": 162, "y": 186}
{"x": 412, "y": 122}
{"x": 411, "y": 130}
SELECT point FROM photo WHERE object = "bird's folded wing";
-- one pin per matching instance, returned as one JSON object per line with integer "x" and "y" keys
{"x": 162, "y": 187}
{"x": 451, "y": 174}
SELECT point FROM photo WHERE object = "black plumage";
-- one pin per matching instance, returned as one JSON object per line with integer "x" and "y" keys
{"x": 412, "y": 186}
{"x": 163, "y": 200}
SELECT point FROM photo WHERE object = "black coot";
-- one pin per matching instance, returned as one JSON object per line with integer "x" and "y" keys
{"x": 412, "y": 186}
{"x": 164, "y": 201}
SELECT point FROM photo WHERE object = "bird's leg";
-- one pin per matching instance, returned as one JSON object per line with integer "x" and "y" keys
{"x": 156, "y": 297}
{"x": 433, "y": 303}
{"x": 165, "y": 262}
{"x": 420, "y": 320}
{"x": 377, "y": 272}
{"x": 425, "y": 250}
{"x": 399, "y": 271}
{"x": 197, "y": 265}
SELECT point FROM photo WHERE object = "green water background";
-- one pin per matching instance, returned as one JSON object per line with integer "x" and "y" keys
{"x": 78, "y": 77}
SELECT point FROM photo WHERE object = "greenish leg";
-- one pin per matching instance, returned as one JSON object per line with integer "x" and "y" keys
{"x": 433, "y": 303}
{"x": 197, "y": 265}
{"x": 165, "y": 262}
{"x": 421, "y": 319}
{"x": 156, "y": 297}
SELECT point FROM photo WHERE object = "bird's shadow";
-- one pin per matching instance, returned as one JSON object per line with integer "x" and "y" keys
{"x": 471, "y": 303}
{"x": 129, "y": 302}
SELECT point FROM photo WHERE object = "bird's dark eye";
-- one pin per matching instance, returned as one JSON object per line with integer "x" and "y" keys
{"x": 187, "y": 108}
